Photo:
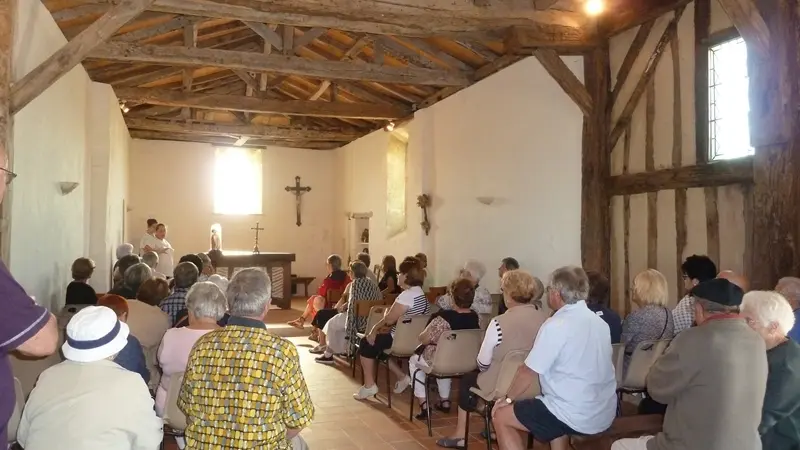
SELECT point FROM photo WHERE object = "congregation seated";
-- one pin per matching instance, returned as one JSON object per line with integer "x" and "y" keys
{"x": 367, "y": 260}
{"x": 515, "y": 330}
{"x": 208, "y": 267}
{"x": 184, "y": 276}
{"x": 771, "y": 316}
{"x": 131, "y": 357}
{"x": 651, "y": 320}
{"x": 151, "y": 259}
{"x": 339, "y": 332}
{"x": 712, "y": 378}
{"x": 78, "y": 291}
{"x": 461, "y": 317}
{"x": 123, "y": 264}
{"x": 183, "y": 315}
{"x": 268, "y": 395}
{"x": 336, "y": 279}
{"x": 506, "y": 264}
{"x": 410, "y": 302}
{"x": 789, "y": 288}
{"x": 88, "y": 402}
{"x": 695, "y": 269}
{"x": 206, "y": 304}
{"x": 473, "y": 270}
{"x": 572, "y": 357}
{"x": 148, "y": 323}
{"x": 194, "y": 259}
{"x": 389, "y": 283}
{"x": 598, "y": 302}
{"x": 122, "y": 251}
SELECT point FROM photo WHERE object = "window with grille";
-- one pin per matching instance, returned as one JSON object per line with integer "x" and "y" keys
{"x": 728, "y": 101}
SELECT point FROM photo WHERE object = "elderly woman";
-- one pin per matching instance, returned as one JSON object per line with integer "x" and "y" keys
{"x": 336, "y": 279}
{"x": 461, "y": 317}
{"x": 771, "y": 316}
{"x": 341, "y": 329}
{"x": 148, "y": 323}
{"x": 512, "y": 331}
{"x": 389, "y": 283}
{"x": 131, "y": 357}
{"x": 411, "y": 302}
{"x": 208, "y": 267}
{"x": 78, "y": 291}
{"x": 133, "y": 277}
{"x": 206, "y": 304}
{"x": 473, "y": 270}
{"x": 652, "y": 320}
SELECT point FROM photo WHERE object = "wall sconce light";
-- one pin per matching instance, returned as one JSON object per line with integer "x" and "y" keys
{"x": 67, "y": 186}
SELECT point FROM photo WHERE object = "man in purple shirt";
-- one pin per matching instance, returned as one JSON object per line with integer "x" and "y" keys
{"x": 24, "y": 326}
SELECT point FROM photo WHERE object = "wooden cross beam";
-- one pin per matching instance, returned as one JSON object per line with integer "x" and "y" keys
{"x": 550, "y": 60}
{"x": 71, "y": 54}
{"x": 254, "y": 131}
{"x": 745, "y": 16}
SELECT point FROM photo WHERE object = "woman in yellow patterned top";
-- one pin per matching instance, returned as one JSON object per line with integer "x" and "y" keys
{"x": 243, "y": 388}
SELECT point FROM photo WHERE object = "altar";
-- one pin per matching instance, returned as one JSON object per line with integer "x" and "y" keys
{"x": 277, "y": 265}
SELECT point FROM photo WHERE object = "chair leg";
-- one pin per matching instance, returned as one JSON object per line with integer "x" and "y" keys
{"x": 487, "y": 417}
{"x": 411, "y": 401}
{"x": 466, "y": 432}
{"x": 389, "y": 384}
{"x": 428, "y": 403}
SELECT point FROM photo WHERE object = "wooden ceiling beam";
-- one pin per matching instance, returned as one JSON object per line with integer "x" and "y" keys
{"x": 309, "y": 37}
{"x": 119, "y": 51}
{"x": 178, "y": 23}
{"x": 219, "y": 140}
{"x": 573, "y": 87}
{"x": 745, "y": 16}
{"x": 721, "y": 173}
{"x": 630, "y": 57}
{"x": 73, "y": 52}
{"x": 253, "y": 131}
{"x": 256, "y": 105}
{"x": 632, "y": 13}
{"x": 525, "y": 40}
{"x": 267, "y": 33}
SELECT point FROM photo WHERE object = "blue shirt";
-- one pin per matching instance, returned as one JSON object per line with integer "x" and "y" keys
{"x": 794, "y": 333}
{"x": 131, "y": 357}
{"x": 173, "y": 304}
{"x": 611, "y": 318}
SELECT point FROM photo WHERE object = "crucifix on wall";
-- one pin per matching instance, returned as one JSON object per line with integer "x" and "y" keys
{"x": 298, "y": 191}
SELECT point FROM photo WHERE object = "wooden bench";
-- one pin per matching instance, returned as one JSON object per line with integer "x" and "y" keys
{"x": 305, "y": 281}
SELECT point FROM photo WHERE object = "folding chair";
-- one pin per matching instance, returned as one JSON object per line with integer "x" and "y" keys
{"x": 174, "y": 419}
{"x": 405, "y": 342}
{"x": 373, "y": 311}
{"x": 644, "y": 356}
{"x": 456, "y": 354}
{"x": 16, "y": 416}
{"x": 618, "y": 359}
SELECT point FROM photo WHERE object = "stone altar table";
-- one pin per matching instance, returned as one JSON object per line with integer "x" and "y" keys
{"x": 277, "y": 265}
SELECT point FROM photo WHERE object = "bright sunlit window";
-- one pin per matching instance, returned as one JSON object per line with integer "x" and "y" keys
{"x": 728, "y": 101}
{"x": 237, "y": 181}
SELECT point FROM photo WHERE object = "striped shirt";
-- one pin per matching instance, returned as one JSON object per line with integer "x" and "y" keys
{"x": 415, "y": 300}
{"x": 493, "y": 338}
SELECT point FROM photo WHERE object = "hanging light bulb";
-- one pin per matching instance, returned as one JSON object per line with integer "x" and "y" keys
{"x": 594, "y": 7}
{"x": 389, "y": 127}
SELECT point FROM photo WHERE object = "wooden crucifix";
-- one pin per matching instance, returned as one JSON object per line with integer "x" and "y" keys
{"x": 255, "y": 245}
{"x": 298, "y": 191}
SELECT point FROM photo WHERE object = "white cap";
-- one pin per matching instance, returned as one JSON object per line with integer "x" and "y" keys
{"x": 124, "y": 250}
{"x": 93, "y": 334}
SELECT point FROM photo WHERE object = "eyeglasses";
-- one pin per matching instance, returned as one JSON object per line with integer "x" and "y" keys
{"x": 9, "y": 175}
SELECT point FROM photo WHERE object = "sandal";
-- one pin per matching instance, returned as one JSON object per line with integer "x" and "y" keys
{"x": 423, "y": 415}
{"x": 443, "y": 406}
{"x": 297, "y": 323}
{"x": 450, "y": 442}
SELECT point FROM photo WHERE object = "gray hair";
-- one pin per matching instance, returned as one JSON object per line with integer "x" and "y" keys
{"x": 151, "y": 259}
{"x": 137, "y": 274}
{"x": 206, "y": 299}
{"x": 571, "y": 283}
{"x": 789, "y": 287}
{"x": 335, "y": 261}
{"x": 769, "y": 307}
{"x": 185, "y": 274}
{"x": 249, "y": 293}
{"x": 475, "y": 268}
{"x": 124, "y": 250}
{"x": 359, "y": 269}
{"x": 365, "y": 258}
{"x": 205, "y": 259}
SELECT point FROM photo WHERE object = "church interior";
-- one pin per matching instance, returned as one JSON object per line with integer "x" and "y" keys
{"x": 614, "y": 135}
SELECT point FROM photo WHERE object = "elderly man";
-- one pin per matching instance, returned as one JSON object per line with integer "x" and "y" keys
{"x": 186, "y": 275}
{"x": 789, "y": 287}
{"x": 506, "y": 264}
{"x": 151, "y": 259}
{"x": 770, "y": 315}
{"x": 572, "y": 356}
{"x": 696, "y": 269}
{"x": 122, "y": 265}
{"x": 222, "y": 366}
{"x": 133, "y": 277}
{"x": 367, "y": 260}
{"x": 712, "y": 378}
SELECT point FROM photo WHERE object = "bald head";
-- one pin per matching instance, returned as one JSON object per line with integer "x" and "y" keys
{"x": 735, "y": 278}
{"x": 789, "y": 287}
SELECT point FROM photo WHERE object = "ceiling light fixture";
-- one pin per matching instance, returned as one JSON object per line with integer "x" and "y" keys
{"x": 594, "y": 7}
{"x": 124, "y": 107}
{"x": 389, "y": 127}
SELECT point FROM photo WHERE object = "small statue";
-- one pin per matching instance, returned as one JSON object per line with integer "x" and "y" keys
{"x": 216, "y": 237}
{"x": 365, "y": 235}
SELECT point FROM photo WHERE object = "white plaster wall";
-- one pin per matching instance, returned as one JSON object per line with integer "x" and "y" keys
{"x": 173, "y": 182}
{"x": 47, "y": 230}
{"x": 514, "y": 136}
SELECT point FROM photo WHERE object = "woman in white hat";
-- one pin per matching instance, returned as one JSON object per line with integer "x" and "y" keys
{"x": 89, "y": 402}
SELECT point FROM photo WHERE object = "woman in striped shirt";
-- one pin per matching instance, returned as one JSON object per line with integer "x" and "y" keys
{"x": 411, "y": 302}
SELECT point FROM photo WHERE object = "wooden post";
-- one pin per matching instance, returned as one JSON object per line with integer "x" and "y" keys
{"x": 775, "y": 134}
{"x": 7, "y": 14}
{"x": 595, "y": 201}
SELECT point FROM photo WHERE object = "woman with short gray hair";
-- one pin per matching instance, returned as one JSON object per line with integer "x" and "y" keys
{"x": 474, "y": 271}
{"x": 337, "y": 279}
{"x": 770, "y": 315}
{"x": 206, "y": 304}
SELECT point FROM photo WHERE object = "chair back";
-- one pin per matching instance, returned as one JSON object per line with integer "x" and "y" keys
{"x": 375, "y": 314}
{"x": 376, "y": 269}
{"x": 508, "y": 370}
{"x": 173, "y": 416}
{"x": 363, "y": 307}
{"x": 457, "y": 352}
{"x": 618, "y": 358}
{"x": 497, "y": 299}
{"x": 332, "y": 296}
{"x": 644, "y": 356}
{"x": 406, "y": 335}
{"x": 16, "y": 416}
{"x": 435, "y": 292}
{"x": 390, "y": 298}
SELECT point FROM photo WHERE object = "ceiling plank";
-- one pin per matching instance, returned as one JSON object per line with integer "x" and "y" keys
{"x": 257, "y": 105}
{"x": 175, "y": 24}
{"x": 405, "y": 54}
{"x": 745, "y": 16}
{"x": 189, "y": 40}
{"x": 287, "y": 32}
{"x": 73, "y": 52}
{"x": 309, "y": 37}
{"x": 550, "y": 60}
{"x": 267, "y": 33}
{"x": 291, "y": 65}
{"x": 253, "y": 131}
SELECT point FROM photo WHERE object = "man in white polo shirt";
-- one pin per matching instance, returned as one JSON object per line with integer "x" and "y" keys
{"x": 572, "y": 356}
